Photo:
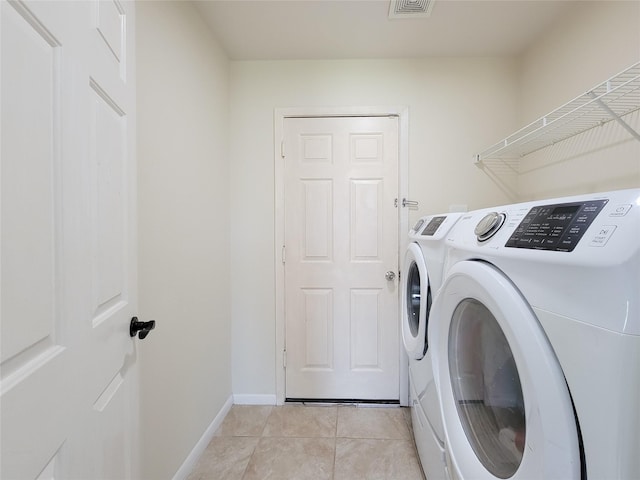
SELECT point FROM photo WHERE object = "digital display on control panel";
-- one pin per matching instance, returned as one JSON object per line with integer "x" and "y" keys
{"x": 555, "y": 227}
{"x": 432, "y": 226}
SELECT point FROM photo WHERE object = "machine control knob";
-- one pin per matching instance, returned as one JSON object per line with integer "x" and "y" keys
{"x": 489, "y": 225}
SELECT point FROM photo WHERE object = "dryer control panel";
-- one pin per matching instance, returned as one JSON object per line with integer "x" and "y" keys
{"x": 557, "y": 227}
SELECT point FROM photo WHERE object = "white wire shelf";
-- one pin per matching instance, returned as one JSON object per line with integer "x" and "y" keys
{"x": 611, "y": 100}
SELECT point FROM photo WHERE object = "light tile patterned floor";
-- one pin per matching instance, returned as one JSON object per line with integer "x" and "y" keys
{"x": 298, "y": 442}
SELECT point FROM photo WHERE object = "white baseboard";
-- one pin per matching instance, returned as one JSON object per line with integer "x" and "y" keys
{"x": 251, "y": 399}
{"x": 191, "y": 460}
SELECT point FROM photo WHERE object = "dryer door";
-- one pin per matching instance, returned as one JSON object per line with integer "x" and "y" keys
{"x": 416, "y": 302}
{"x": 506, "y": 407}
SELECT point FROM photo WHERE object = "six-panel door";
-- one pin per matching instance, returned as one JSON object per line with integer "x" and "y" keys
{"x": 341, "y": 238}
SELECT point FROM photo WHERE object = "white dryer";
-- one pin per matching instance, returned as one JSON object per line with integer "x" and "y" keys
{"x": 421, "y": 280}
{"x": 535, "y": 337}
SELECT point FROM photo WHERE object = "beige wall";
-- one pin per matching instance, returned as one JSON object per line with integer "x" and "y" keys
{"x": 184, "y": 232}
{"x": 583, "y": 50}
{"x": 456, "y": 106}
{"x": 593, "y": 43}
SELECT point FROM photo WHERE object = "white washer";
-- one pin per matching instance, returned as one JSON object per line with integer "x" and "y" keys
{"x": 535, "y": 336}
{"x": 421, "y": 279}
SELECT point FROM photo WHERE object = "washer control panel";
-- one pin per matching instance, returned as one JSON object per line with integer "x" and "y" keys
{"x": 433, "y": 225}
{"x": 557, "y": 227}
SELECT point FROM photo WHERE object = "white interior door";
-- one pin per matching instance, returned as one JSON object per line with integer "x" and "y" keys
{"x": 341, "y": 238}
{"x": 68, "y": 286}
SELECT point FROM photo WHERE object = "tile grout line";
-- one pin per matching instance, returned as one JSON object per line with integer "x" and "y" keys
{"x": 264, "y": 426}
{"x": 335, "y": 444}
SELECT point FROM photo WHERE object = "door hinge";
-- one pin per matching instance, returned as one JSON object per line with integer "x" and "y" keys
{"x": 282, "y": 148}
{"x": 284, "y": 358}
{"x": 284, "y": 254}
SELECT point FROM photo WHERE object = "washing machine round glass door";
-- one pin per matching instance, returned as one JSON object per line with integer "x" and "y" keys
{"x": 416, "y": 302}
{"x": 506, "y": 407}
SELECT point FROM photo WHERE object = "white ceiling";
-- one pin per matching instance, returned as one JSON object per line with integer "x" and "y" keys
{"x": 335, "y": 29}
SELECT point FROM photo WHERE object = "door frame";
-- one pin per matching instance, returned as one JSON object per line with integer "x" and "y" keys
{"x": 402, "y": 112}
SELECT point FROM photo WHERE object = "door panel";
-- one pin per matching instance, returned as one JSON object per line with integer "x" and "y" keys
{"x": 341, "y": 237}
{"x": 365, "y": 328}
{"x": 108, "y": 139}
{"x": 317, "y": 215}
{"x": 33, "y": 357}
{"x": 318, "y": 313}
{"x": 68, "y": 371}
{"x": 28, "y": 201}
{"x": 366, "y": 220}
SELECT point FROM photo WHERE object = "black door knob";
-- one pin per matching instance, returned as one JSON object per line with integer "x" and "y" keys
{"x": 141, "y": 328}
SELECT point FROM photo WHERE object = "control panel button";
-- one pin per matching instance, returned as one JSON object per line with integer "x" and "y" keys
{"x": 602, "y": 236}
{"x": 620, "y": 210}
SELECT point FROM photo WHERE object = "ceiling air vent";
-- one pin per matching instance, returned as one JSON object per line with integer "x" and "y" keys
{"x": 410, "y": 8}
